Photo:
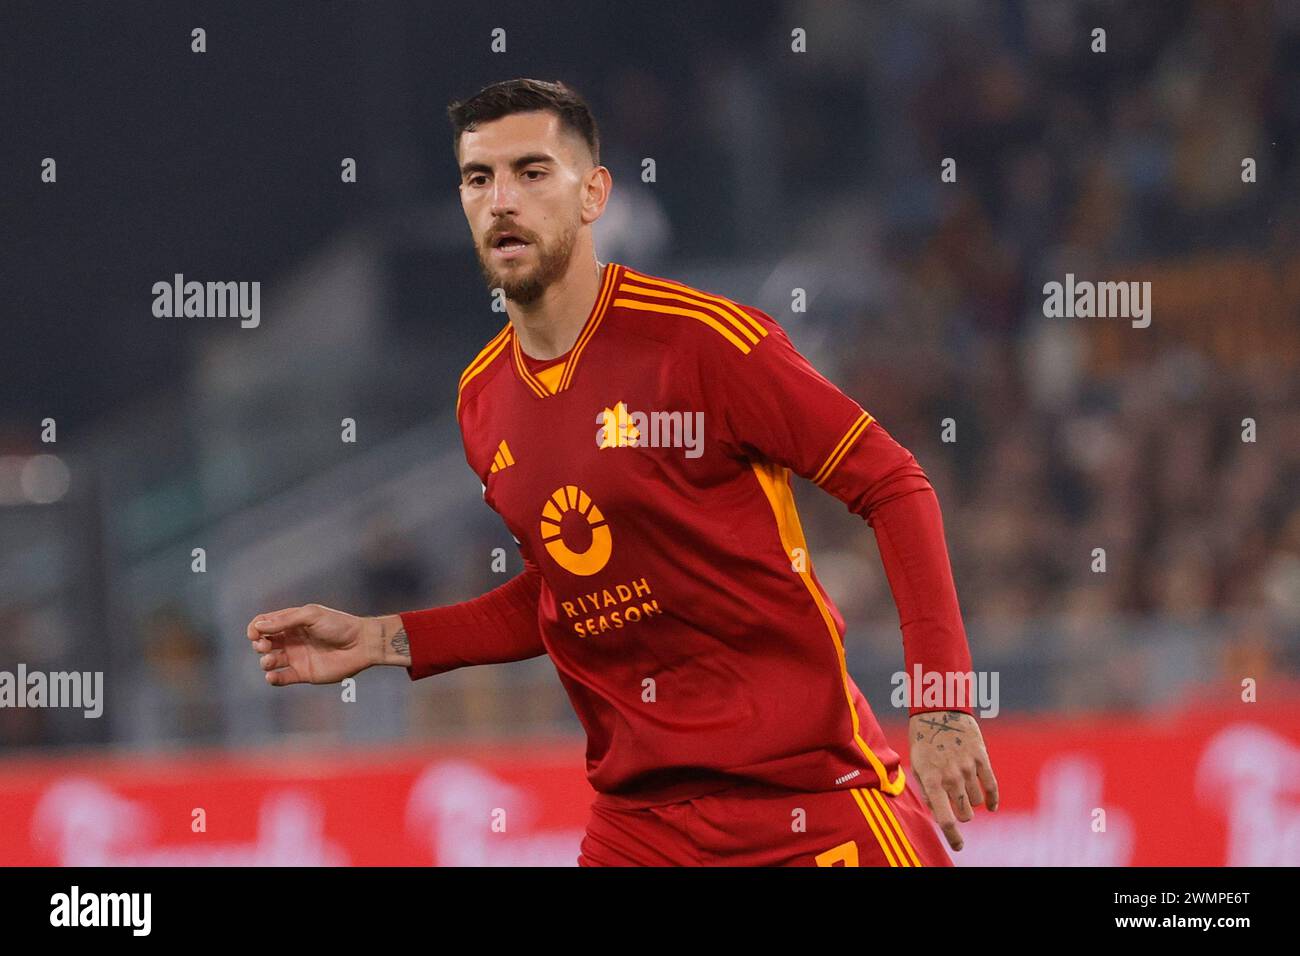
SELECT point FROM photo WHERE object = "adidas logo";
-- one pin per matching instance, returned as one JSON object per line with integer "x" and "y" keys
{"x": 502, "y": 459}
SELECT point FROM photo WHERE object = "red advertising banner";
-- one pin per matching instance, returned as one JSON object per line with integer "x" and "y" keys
{"x": 1198, "y": 788}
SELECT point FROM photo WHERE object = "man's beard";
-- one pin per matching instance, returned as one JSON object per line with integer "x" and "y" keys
{"x": 527, "y": 287}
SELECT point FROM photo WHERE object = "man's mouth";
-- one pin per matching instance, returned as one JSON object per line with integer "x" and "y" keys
{"x": 508, "y": 245}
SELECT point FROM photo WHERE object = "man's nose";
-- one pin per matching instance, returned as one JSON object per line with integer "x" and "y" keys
{"x": 504, "y": 196}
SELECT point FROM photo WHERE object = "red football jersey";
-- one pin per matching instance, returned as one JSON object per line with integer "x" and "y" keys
{"x": 646, "y": 478}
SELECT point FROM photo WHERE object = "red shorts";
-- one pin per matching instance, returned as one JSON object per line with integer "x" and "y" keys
{"x": 754, "y": 824}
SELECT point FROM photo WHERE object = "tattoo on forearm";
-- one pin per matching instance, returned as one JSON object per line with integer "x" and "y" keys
{"x": 401, "y": 643}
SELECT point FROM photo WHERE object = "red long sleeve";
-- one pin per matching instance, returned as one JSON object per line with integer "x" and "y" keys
{"x": 882, "y": 482}
{"x": 494, "y": 628}
{"x": 909, "y": 534}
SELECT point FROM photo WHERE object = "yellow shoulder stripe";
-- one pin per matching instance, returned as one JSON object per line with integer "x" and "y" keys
{"x": 727, "y": 318}
{"x": 842, "y": 449}
{"x": 483, "y": 360}
{"x": 708, "y": 320}
{"x": 484, "y": 357}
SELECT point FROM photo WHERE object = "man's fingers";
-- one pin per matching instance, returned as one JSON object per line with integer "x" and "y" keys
{"x": 266, "y": 636}
{"x": 278, "y": 621}
{"x": 283, "y": 677}
{"x": 937, "y": 800}
{"x": 989, "y": 782}
{"x": 268, "y": 643}
{"x": 972, "y": 785}
{"x": 956, "y": 791}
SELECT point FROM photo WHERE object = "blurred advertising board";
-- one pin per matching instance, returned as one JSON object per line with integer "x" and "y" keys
{"x": 1217, "y": 786}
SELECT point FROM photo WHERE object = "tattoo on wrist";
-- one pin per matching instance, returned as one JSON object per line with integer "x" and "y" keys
{"x": 401, "y": 644}
{"x": 947, "y": 721}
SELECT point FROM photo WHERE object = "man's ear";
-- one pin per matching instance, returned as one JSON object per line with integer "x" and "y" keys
{"x": 596, "y": 192}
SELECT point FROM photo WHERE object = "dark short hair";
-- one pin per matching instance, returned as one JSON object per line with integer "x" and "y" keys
{"x": 525, "y": 96}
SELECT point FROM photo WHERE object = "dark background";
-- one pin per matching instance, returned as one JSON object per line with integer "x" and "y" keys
{"x": 775, "y": 170}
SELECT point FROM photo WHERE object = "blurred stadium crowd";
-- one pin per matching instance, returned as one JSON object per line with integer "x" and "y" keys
{"x": 925, "y": 304}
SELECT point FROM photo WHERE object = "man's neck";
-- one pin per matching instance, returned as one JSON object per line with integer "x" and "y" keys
{"x": 548, "y": 327}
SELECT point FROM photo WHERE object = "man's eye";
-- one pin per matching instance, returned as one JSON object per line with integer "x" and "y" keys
{"x": 538, "y": 172}
{"x": 477, "y": 180}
